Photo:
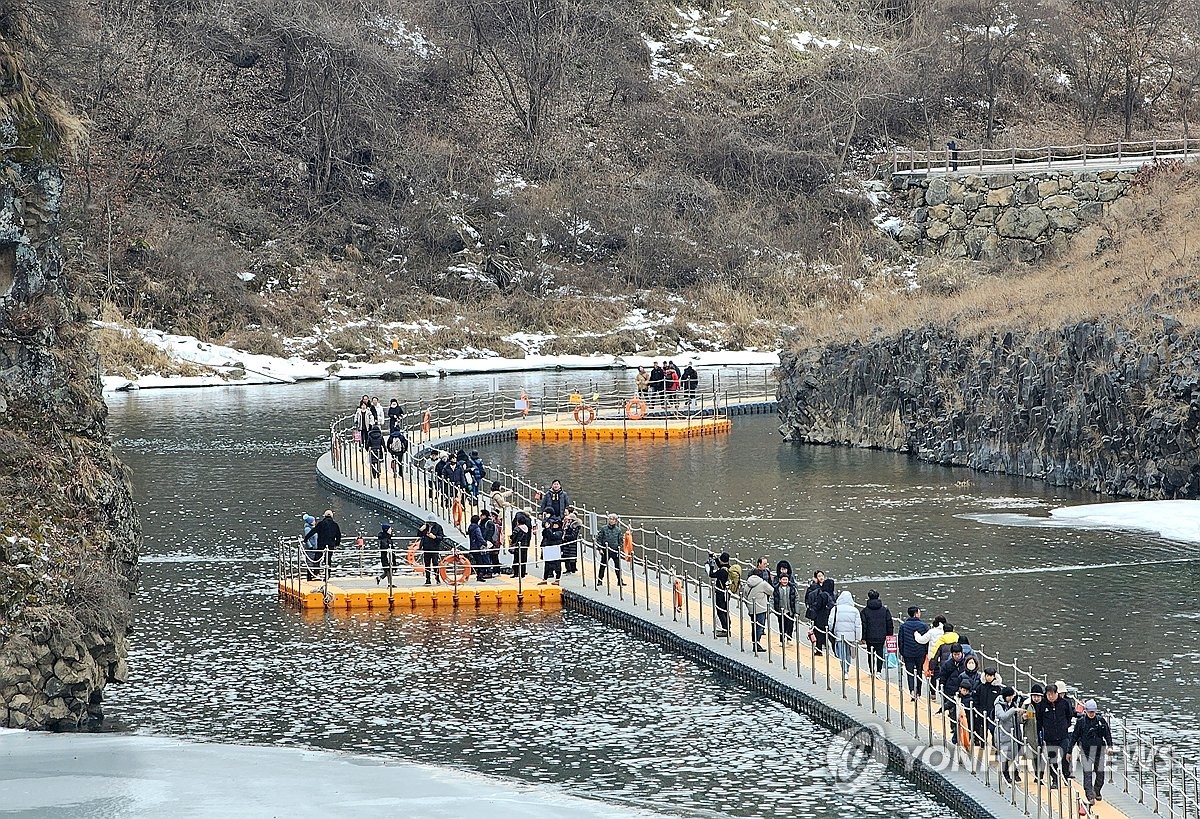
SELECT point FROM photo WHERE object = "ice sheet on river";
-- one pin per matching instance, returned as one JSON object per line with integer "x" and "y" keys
{"x": 124, "y": 775}
{"x": 1177, "y": 520}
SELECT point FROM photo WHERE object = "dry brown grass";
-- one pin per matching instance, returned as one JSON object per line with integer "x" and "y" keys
{"x": 1141, "y": 260}
{"x": 129, "y": 356}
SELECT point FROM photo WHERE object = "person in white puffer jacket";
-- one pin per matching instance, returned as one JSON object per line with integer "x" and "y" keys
{"x": 845, "y": 626}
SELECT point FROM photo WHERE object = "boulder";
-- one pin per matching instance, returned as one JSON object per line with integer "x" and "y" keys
{"x": 958, "y": 218}
{"x": 984, "y": 217}
{"x": 1063, "y": 220}
{"x": 1047, "y": 187}
{"x": 1022, "y": 223}
{"x": 1027, "y": 193}
{"x": 1000, "y": 196}
{"x": 936, "y": 230}
{"x": 937, "y": 191}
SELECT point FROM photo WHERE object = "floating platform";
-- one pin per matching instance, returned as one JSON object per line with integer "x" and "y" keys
{"x": 622, "y": 430}
{"x": 410, "y": 592}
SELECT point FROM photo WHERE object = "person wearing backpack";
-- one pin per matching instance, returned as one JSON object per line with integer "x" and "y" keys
{"x": 397, "y": 447}
{"x": 478, "y": 471}
{"x": 818, "y": 603}
{"x": 718, "y": 571}
{"x": 1092, "y": 741}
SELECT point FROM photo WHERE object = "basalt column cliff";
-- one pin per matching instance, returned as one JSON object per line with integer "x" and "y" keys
{"x": 1087, "y": 406}
{"x": 68, "y": 530}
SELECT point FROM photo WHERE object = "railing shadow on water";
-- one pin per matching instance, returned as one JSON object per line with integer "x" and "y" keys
{"x": 668, "y": 578}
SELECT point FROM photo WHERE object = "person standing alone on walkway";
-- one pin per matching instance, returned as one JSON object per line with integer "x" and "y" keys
{"x": 609, "y": 541}
{"x": 913, "y": 652}
{"x": 518, "y": 542}
{"x": 1092, "y": 742}
{"x": 818, "y": 603}
{"x": 877, "y": 626}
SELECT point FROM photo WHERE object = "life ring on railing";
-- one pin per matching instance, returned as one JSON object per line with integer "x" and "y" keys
{"x": 677, "y": 587}
{"x": 456, "y": 512}
{"x": 425, "y": 423}
{"x": 628, "y": 546}
{"x": 584, "y": 414}
{"x": 635, "y": 409}
{"x": 414, "y": 556}
{"x": 454, "y": 570}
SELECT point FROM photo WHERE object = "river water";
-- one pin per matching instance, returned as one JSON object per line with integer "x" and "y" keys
{"x": 558, "y": 699}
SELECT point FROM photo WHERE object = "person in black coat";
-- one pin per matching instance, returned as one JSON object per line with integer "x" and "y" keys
{"x": 570, "y": 549}
{"x": 554, "y": 502}
{"x": 478, "y": 547}
{"x": 689, "y": 381}
{"x": 657, "y": 379}
{"x": 819, "y": 601}
{"x": 1092, "y": 742}
{"x": 518, "y": 542}
{"x": 375, "y": 447}
{"x": 432, "y": 537}
{"x": 387, "y": 552}
{"x": 1054, "y": 715}
{"x": 329, "y": 537}
{"x": 877, "y": 626}
{"x": 913, "y": 653}
{"x": 395, "y": 415}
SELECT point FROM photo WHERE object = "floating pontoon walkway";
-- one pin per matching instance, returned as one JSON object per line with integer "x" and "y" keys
{"x": 623, "y": 430}
{"x": 361, "y": 592}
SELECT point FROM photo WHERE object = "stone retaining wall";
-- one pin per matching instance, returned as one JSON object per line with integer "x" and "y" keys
{"x": 1015, "y": 216}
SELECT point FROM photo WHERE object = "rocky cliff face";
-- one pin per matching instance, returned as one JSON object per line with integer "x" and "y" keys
{"x": 68, "y": 530}
{"x": 1087, "y": 406}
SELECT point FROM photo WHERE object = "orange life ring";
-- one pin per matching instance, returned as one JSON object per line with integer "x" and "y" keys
{"x": 584, "y": 414}
{"x": 628, "y": 545}
{"x": 635, "y": 409}
{"x": 425, "y": 423}
{"x": 459, "y": 565}
{"x": 456, "y": 512}
{"x": 414, "y": 556}
{"x": 678, "y": 588}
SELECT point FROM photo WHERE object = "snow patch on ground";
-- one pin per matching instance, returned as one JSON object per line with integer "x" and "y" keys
{"x": 231, "y": 367}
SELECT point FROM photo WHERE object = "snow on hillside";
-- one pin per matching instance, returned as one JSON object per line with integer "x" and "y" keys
{"x": 230, "y": 367}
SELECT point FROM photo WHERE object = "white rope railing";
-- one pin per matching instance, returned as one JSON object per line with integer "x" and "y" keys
{"x": 1100, "y": 155}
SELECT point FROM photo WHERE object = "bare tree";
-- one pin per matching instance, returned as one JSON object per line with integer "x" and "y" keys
{"x": 991, "y": 36}
{"x": 1137, "y": 32}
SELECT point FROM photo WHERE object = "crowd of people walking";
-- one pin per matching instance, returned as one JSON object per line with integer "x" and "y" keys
{"x": 931, "y": 659}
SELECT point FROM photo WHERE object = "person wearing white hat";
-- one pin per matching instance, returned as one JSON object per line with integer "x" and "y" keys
{"x": 1092, "y": 741}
